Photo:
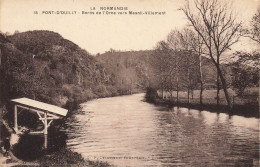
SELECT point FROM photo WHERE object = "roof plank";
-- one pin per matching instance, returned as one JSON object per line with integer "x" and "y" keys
{"x": 41, "y": 106}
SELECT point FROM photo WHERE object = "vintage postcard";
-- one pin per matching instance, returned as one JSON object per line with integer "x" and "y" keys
{"x": 129, "y": 82}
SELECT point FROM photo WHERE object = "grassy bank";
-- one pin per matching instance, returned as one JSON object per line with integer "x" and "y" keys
{"x": 246, "y": 107}
{"x": 66, "y": 157}
{"x": 60, "y": 156}
{"x": 63, "y": 157}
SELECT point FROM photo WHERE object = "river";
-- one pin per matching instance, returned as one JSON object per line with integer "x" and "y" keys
{"x": 126, "y": 131}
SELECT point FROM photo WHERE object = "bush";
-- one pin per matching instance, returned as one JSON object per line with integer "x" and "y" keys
{"x": 112, "y": 90}
{"x": 101, "y": 91}
{"x": 88, "y": 94}
{"x": 151, "y": 95}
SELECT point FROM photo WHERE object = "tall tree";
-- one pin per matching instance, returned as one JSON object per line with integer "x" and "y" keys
{"x": 197, "y": 47}
{"x": 254, "y": 31}
{"x": 173, "y": 42}
{"x": 216, "y": 24}
{"x": 245, "y": 71}
{"x": 163, "y": 64}
{"x": 189, "y": 59}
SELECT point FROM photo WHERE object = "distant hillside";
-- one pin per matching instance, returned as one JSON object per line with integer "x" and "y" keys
{"x": 130, "y": 69}
{"x": 134, "y": 70}
{"x": 45, "y": 66}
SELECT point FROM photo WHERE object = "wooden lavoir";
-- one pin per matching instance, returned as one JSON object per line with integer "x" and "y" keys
{"x": 46, "y": 112}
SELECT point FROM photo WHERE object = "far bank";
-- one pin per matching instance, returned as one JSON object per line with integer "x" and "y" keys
{"x": 246, "y": 105}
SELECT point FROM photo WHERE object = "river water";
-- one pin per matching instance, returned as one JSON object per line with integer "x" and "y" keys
{"x": 126, "y": 131}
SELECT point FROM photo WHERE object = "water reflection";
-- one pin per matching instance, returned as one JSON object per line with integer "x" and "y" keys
{"x": 249, "y": 123}
{"x": 113, "y": 129}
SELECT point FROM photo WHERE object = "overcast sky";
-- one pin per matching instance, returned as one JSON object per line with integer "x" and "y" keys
{"x": 99, "y": 33}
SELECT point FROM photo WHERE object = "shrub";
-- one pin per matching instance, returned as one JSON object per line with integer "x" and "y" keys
{"x": 112, "y": 90}
{"x": 88, "y": 94}
{"x": 66, "y": 90}
{"x": 101, "y": 91}
{"x": 151, "y": 95}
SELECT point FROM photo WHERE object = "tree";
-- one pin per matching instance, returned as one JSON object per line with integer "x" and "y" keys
{"x": 16, "y": 32}
{"x": 163, "y": 64}
{"x": 190, "y": 61}
{"x": 245, "y": 71}
{"x": 197, "y": 47}
{"x": 173, "y": 41}
{"x": 254, "y": 31}
{"x": 216, "y": 24}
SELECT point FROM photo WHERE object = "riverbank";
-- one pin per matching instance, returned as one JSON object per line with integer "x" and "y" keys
{"x": 60, "y": 157}
{"x": 246, "y": 109}
{"x": 241, "y": 110}
{"x": 63, "y": 157}
{"x": 136, "y": 133}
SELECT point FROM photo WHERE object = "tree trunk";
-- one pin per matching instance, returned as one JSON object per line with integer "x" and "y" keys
{"x": 218, "y": 88}
{"x": 201, "y": 82}
{"x": 177, "y": 90}
{"x": 188, "y": 95}
{"x": 188, "y": 84}
{"x": 162, "y": 91}
{"x": 177, "y": 71}
{"x": 201, "y": 91}
{"x": 259, "y": 92}
{"x": 224, "y": 85}
{"x": 171, "y": 87}
{"x": 189, "y": 80}
{"x": 223, "y": 81}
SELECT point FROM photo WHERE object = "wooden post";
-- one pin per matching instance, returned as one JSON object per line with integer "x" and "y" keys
{"x": 15, "y": 119}
{"x": 45, "y": 124}
{"x": 45, "y": 141}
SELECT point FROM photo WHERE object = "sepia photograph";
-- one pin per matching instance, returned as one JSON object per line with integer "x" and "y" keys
{"x": 129, "y": 83}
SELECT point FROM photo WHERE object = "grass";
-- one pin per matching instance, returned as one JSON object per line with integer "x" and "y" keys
{"x": 61, "y": 157}
{"x": 209, "y": 97}
{"x": 66, "y": 157}
{"x": 245, "y": 105}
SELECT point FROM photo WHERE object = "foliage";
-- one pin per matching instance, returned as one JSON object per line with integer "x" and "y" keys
{"x": 129, "y": 69}
{"x": 253, "y": 32}
{"x": 151, "y": 95}
{"x": 175, "y": 65}
{"x": 218, "y": 28}
{"x": 245, "y": 71}
{"x": 42, "y": 65}
{"x": 256, "y": 26}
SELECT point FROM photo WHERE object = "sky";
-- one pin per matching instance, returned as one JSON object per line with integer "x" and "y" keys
{"x": 99, "y": 33}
